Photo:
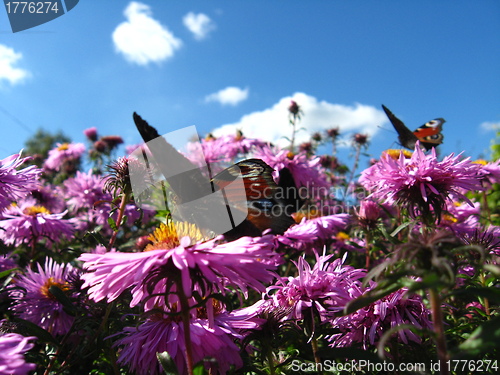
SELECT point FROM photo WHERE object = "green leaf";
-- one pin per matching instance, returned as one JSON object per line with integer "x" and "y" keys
{"x": 112, "y": 224}
{"x": 35, "y": 330}
{"x": 484, "y": 339}
{"x": 167, "y": 363}
{"x": 63, "y": 299}
{"x": 492, "y": 294}
{"x": 399, "y": 229}
{"x": 7, "y": 272}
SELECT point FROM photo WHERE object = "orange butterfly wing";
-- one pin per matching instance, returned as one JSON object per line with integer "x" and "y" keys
{"x": 265, "y": 208}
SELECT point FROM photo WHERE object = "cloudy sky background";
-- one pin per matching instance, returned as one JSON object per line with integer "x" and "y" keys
{"x": 226, "y": 65}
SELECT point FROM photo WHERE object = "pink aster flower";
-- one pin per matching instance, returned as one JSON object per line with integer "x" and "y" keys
{"x": 490, "y": 171}
{"x": 14, "y": 183}
{"x": 314, "y": 233}
{"x": 28, "y": 224}
{"x": 64, "y": 152}
{"x": 421, "y": 184}
{"x": 91, "y": 133}
{"x": 12, "y": 348}
{"x": 368, "y": 324}
{"x": 49, "y": 196}
{"x": 461, "y": 218}
{"x": 84, "y": 190}
{"x": 326, "y": 287}
{"x": 6, "y": 263}
{"x": 307, "y": 173}
{"x": 245, "y": 263}
{"x": 221, "y": 151}
{"x": 160, "y": 334}
{"x": 37, "y": 304}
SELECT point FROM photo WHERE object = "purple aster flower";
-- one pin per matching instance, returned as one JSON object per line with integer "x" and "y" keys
{"x": 490, "y": 171}
{"x": 160, "y": 334}
{"x": 308, "y": 173}
{"x": 84, "y": 190}
{"x": 28, "y": 223}
{"x": 326, "y": 287}
{"x": 246, "y": 262}
{"x": 49, "y": 196}
{"x": 488, "y": 238}
{"x": 369, "y": 213}
{"x": 16, "y": 184}
{"x": 422, "y": 184}
{"x": 368, "y": 324}
{"x": 64, "y": 152}
{"x": 461, "y": 218}
{"x": 91, "y": 133}
{"x": 12, "y": 348}
{"x": 314, "y": 233}
{"x": 6, "y": 263}
{"x": 222, "y": 151}
{"x": 37, "y": 304}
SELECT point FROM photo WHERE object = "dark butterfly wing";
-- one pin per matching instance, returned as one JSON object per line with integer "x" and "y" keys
{"x": 259, "y": 197}
{"x": 429, "y": 134}
{"x": 189, "y": 180}
{"x": 406, "y": 137}
{"x": 266, "y": 209}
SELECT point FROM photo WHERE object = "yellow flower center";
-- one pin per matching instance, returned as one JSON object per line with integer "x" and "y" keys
{"x": 480, "y": 161}
{"x": 342, "y": 236}
{"x": 45, "y": 289}
{"x": 167, "y": 236}
{"x": 63, "y": 147}
{"x": 394, "y": 153}
{"x": 450, "y": 218}
{"x": 35, "y": 210}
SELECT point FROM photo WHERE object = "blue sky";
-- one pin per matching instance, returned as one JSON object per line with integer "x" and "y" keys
{"x": 222, "y": 65}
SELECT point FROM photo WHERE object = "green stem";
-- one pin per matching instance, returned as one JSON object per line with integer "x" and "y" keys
{"x": 121, "y": 211}
{"x": 437, "y": 321}
{"x": 186, "y": 320}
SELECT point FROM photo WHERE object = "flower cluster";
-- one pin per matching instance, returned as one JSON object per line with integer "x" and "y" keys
{"x": 94, "y": 281}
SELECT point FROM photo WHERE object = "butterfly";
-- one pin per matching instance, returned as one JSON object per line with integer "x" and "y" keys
{"x": 428, "y": 134}
{"x": 263, "y": 202}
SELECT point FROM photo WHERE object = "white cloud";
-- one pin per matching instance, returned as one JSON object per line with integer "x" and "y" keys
{"x": 199, "y": 24}
{"x": 229, "y": 96}
{"x": 142, "y": 39}
{"x": 490, "y": 126}
{"x": 272, "y": 124}
{"x": 8, "y": 71}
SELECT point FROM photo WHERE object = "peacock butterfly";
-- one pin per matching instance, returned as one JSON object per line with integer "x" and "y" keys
{"x": 264, "y": 203}
{"x": 428, "y": 134}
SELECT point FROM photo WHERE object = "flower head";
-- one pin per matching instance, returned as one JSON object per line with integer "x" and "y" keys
{"x": 368, "y": 324}
{"x": 12, "y": 348}
{"x": 160, "y": 334}
{"x": 28, "y": 223}
{"x": 313, "y": 234}
{"x": 84, "y": 190}
{"x": 306, "y": 172}
{"x": 14, "y": 183}
{"x": 245, "y": 263}
{"x": 64, "y": 153}
{"x": 421, "y": 184}
{"x": 37, "y": 304}
{"x": 91, "y": 133}
{"x": 325, "y": 287}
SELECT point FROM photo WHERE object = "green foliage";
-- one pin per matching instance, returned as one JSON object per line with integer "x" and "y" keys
{"x": 41, "y": 142}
